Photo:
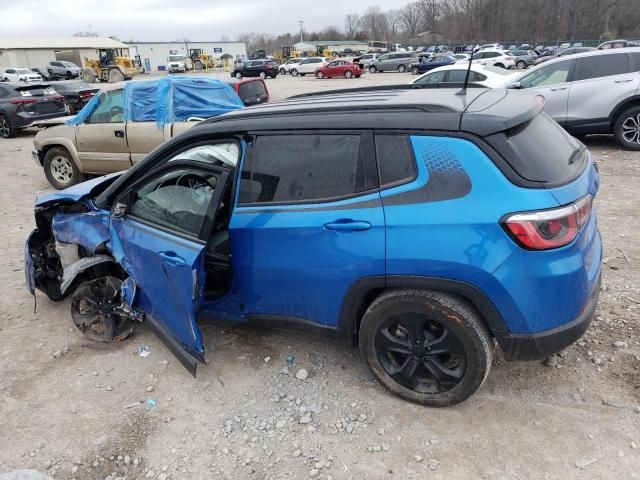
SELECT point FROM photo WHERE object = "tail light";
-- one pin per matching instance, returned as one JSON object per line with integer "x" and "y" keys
{"x": 85, "y": 95}
{"x": 508, "y": 58}
{"x": 22, "y": 101}
{"x": 269, "y": 67}
{"x": 58, "y": 97}
{"x": 547, "y": 229}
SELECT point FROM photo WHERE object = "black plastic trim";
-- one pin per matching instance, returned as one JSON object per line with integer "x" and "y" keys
{"x": 293, "y": 323}
{"x": 188, "y": 361}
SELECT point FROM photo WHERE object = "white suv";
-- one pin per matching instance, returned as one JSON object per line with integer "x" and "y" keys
{"x": 289, "y": 64}
{"x": 591, "y": 92}
{"x": 308, "y": 65}
{"x": 11, "y": 74}
{"x": 494, "y": 58}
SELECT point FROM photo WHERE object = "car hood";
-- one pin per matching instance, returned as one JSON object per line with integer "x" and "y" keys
{"x": 51, "y": 122}
{"x": 78, "y": 192}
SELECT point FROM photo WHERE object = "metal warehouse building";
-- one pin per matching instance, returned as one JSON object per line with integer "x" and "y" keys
{"x": 335, "y": 45}
{"x": 31, "y": 52}
{"x": 155, "y": 54}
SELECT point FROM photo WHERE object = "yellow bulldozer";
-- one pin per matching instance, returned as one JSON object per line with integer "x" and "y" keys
{"x": 110, "y": 66}
{"x": 201, "y": 60}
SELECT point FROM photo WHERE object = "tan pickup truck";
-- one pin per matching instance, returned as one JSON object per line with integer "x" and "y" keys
{"x": 105, "y": 142}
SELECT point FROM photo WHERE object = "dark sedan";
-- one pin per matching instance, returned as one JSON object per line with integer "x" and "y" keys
{"x": 563, "y": 53}
{"x": 431, "y": 63}
{"x": 76, "y": 93}
{"x": 21, "y": 104}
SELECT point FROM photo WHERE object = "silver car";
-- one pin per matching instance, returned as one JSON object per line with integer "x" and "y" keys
{"x": 399, "y": 61}
{"x": 593, "y": 92}
{"x": 62, "y": 69}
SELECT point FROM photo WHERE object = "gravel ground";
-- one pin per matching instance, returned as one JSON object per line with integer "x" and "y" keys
{"x": 72, "y": 408}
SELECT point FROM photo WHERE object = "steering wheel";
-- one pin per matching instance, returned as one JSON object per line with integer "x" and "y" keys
{"x": 115, "y": 111}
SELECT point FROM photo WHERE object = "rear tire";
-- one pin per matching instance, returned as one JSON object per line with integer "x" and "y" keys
{"x": 60, "y": 169}
{"x": 626, "y": 129}
{"x": 6, "y": 129}
{"x": 283, "y": 71}
{"x": 238, "y": 75}
{"x": 263, "y": 75}
{"x": 427, "y": 347}
{"x": 372, "y": 69}
{"x": 198, "y": 65}
{"x": 402, "y": 68}
{"x": 415, "y": 71}
{"x": 348, "y": 74}
{"x": 294, "y": 72}
{"x": 521, "y": 65}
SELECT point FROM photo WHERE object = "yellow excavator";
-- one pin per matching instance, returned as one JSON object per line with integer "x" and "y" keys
{"x": 201, "y": 60}
{"x": 110, "y": 66}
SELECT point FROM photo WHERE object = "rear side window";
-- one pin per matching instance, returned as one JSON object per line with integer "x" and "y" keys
{"x": 458, "y": 76}
{"x": 520, "y": 146}
{"x": 395, "y": 160}
{"x": 303, "y": 168}
{"x": 598, "y": 66}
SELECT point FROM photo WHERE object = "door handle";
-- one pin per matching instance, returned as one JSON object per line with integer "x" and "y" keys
{"x": 118, "y": 133}
{"x": 559, "y": 89}
{"x": 623, "y": 81}
{"x": 172, "y": 258}
{"x": 346, "y": 225}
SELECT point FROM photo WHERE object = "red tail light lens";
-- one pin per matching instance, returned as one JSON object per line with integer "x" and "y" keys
{"x": 549, "y": 229}
{"x": 22, "y": 101}
{"x": 58, "y": 97}
{"x": 269, "y": 67}
{"x": 85, "y": 95}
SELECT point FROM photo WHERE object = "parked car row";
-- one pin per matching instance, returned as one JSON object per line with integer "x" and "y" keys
{"x": 594, "y": 92}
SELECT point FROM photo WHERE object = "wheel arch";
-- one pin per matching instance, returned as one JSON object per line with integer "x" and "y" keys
{"x": 633, "y": 101}
{"x": 64, "y": 143}
{"x": 365, "y": 290}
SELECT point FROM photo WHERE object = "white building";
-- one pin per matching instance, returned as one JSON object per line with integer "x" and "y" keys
{"x": 333, "y": 45}
{"x": 31, "y": 52}
{"x": 155, "y": 54}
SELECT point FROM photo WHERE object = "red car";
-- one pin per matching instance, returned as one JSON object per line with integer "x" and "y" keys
{"x": 339, "y": 68}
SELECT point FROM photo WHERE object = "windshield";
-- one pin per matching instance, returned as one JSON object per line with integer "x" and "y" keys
{"x": 176, "y": 58}
{"x": 68, "y": 64}
{"x": 23, "y": 70}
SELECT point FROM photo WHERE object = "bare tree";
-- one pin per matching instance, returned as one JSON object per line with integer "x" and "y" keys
{"x": 374, "y": 23}
{"x": 410, "y": 16}
{"x": 351, "y": 25}
{"x": 394, "y": 20}
{"x": 431, "y": 10}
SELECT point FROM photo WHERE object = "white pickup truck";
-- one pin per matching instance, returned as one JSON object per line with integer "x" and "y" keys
{"x": 177, "y": 63}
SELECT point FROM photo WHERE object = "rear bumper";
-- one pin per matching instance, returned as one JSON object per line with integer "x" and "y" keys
{"x": 542, "y": 344}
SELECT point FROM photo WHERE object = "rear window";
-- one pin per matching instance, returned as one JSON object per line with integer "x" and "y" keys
{"x": 561, "y": 162}
{"x": 252, "y": 92}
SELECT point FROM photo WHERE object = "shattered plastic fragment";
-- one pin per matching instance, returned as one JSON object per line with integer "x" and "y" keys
{"x": 144, "y": 351}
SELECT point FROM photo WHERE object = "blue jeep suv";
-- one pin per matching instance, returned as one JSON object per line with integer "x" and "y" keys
{"x": 427, "y": 226}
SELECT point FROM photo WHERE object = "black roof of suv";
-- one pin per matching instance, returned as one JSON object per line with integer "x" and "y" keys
{"x": 478, "y": 111}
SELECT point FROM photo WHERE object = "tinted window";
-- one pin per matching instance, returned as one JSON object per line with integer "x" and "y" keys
{"x": 458, "y": 76}
{"x": 601, "y": 66}
{"x": 286, "y": 168}
{"x": 252, "y": 92}
{"x": 520, "y": 147}
{"x": 548, "y": 75}
{"x": 395, "y": 161}
{"x": 177, "y": 200}
{"x": 435, "y": 77}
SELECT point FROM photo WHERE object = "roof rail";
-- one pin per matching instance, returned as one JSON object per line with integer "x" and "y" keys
{"x": 382, "y": 88}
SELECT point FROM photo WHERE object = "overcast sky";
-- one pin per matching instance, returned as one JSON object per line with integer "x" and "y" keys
{"x": 170, "y": 19}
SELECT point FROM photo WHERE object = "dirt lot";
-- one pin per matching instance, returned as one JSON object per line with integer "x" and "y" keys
{"x": 72, "y": 408}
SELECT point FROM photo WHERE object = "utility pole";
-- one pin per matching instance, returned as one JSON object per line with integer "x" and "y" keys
{"x": 300, "y": 22}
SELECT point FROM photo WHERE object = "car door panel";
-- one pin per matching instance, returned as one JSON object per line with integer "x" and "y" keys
{"x": 600, "y": 83}
{"x": 102, "y": 147}
{"x": 161, "y": 245}
{"x": 289, "y": 258}
{"x": 142, "y": 137}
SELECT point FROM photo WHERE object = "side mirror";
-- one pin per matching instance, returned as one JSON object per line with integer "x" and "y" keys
{"x": 515, "y": 86}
